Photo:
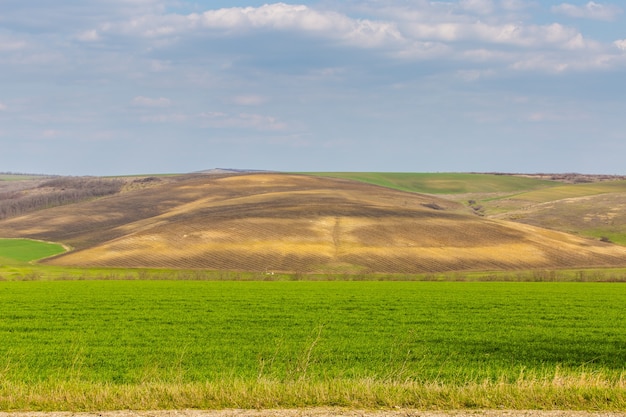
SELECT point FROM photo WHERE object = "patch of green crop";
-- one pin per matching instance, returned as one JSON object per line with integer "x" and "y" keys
{"x": 137, "y": 333}
{"x": 445, "y": 183}
{"x": 613, "y": 235}
{"x": 25, "y": 250}
{"x": 573, "y": 191}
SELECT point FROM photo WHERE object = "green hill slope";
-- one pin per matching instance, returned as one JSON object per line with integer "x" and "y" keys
{"x": 445, "y": 183}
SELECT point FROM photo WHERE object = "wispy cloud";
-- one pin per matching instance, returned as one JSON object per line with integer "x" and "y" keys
{"x": 621, "y": 44}
{"x": 9, "y": 44}
{"x": 51, "y": 134}
{"x": 515, "y": 34}
{"x": 88, "y": 36}
{"x": 219, "y": 120}
{"x": 151, "y": 102}
{"x": 248, "y": 100}
{"x": 3, "y": 106}
{"x": 241, "y": 121}
{"x": 591, "y": 10}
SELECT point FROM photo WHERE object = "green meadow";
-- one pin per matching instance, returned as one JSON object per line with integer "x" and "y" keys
{"x": 25, "y": 250}
{"x": 446, "y": 183}
{"x": 89, "y": 345}
{"x": 573, "y": 191}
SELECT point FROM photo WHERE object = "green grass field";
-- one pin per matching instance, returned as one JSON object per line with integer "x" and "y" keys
{"x": 25, "y": 250}
{"x": 572, "y": 191}
{"x": 446, "y": 183}
{"x": 169, "y": 344}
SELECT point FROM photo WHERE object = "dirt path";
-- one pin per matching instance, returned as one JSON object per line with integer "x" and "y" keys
{"x": 319, "y": 412}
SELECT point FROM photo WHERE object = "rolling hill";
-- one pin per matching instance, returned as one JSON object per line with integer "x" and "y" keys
{"x": 296, "y": 223}
{"x": 592, "y": 206}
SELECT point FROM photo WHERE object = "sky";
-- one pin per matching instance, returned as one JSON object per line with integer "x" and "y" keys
{"x": 117, "y": 87}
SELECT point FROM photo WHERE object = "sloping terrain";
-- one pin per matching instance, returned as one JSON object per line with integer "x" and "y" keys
{"x": 20, "y": 196}
{"x": 593, "y": 206}
{"x": 447, "y": 183}
{"x": 596, "y": 210}
{"x": 280, "y": 222}
{"x": 601, "y": 216}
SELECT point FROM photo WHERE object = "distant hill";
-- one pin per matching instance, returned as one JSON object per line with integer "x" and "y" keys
{"x": 593, "y": 206}
{"x": 296, "y": 223}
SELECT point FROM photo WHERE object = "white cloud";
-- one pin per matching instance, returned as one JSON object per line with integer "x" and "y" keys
{"x": 621, "y": 44}
{"x": 590, "y": 10}
{"x": 3, "y": 106}
{"x": 273, "y": 17}
{"x": 369, "y": 33}
{"x": 151, "y": 102}
{"x": 555, "y": 35}
{"x": 427, "y": 30}
{"x": 489, "y": 31}
{"x": 88, "y": 36}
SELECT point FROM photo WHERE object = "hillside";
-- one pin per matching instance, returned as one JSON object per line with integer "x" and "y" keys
{"x": 592, "y": 206}
{"x": 24, "y": 194}
{"x": 280, "y": 222}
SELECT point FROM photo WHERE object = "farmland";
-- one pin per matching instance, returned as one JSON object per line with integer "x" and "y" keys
{"x": 271, "y": 290}
{"x": 173, "y": 344}
{"x": 24, "y": 250}
{"x": 446, "y": 183}
{"x": 279, "y": 223}
{"x": 589, "y": 206}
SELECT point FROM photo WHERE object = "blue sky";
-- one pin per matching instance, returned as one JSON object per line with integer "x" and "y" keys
{"x": 107, "y": 87}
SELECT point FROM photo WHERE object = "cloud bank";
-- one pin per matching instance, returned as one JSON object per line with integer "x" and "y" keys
{"x": 408, "y": 85}
{"x": 590, "y": 10}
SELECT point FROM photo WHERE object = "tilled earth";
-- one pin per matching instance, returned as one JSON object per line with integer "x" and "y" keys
{"x": 321, "y": 412}
{"x": 297, "y": 224}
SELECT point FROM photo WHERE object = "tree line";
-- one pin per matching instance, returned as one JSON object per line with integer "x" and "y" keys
{"x": 56, "y": 192}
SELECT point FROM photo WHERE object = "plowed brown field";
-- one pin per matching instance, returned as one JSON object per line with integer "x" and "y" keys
{"x": 280, "y": 222}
